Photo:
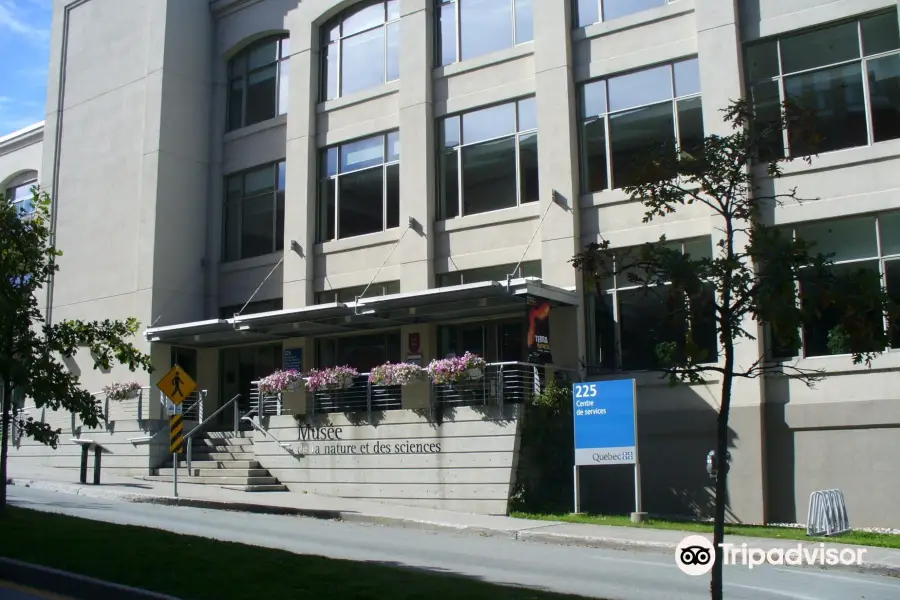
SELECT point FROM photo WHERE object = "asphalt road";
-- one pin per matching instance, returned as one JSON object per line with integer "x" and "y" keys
{"x": 611, "y": 574}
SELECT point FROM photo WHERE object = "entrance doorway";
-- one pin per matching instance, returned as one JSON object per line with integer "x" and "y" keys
{"x": 240, "y": 367}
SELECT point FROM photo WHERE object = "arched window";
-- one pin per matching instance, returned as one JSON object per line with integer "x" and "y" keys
{"x": 258, "y": 82}
{"x": 360, "y": 48}
{"x": 18, "y": 191}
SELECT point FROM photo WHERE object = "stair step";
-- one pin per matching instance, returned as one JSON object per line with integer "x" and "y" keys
{"x": 221, "y": 481}
{"x": 220, "y": 464}
{"x": 278, "y": 487}
{"x": 222, "y": 442}
{"x": 217, "y": 456}
{"x": 203, "y": 447}
{"x": 195, "y": 472}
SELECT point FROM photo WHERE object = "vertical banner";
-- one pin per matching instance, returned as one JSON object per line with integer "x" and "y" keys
{"x": 538, "y": 330}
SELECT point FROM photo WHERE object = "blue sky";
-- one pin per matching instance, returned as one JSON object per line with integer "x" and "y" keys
{"x": 24, "y": 54}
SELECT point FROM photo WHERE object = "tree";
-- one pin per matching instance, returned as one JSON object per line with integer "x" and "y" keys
{"x": 750, "y": 281}
{"x": 31, "y": 348}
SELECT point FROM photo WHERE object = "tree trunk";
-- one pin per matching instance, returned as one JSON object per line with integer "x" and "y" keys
{"x": 4, "y": 444}
{"x": 716, "y": 581}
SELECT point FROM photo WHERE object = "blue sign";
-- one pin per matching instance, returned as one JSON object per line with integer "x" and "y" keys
{"x": 605, "y": 423}
{"x": 293, "y": 359}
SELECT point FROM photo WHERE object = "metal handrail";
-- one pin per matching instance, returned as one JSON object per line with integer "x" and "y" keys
{"x": 266, "y": 433}
{"x": 189, "y": 436}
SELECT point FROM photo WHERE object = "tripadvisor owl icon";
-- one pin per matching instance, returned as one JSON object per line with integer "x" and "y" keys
{"x": 695, "y": 555}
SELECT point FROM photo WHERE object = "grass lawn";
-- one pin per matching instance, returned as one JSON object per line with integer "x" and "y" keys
{"x": 195, "y": 568}
{"x": 884, "y": 540}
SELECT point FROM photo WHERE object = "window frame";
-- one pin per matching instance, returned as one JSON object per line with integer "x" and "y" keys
{"x": 606, "y": 117}
{"x": 594, "y": 349}
{"x": 337, "y": 21}
{"x": 458, "y": 150}
{"x": 862, "y": 60}
{"x": 458, "y": 32}
{"x": 323, "y": 178}
{"x": 882, "y": 258}
{"x": 10, "y": 194}
{"x": 283, "y": 42}
{"x": 600, "y": 16}
{"x": 278, "y": 236}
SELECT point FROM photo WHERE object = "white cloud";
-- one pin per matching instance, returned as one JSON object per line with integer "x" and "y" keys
{"x": 15, "y": 18}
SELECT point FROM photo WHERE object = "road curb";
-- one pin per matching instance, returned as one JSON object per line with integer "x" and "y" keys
{"x": 534, "y": 534}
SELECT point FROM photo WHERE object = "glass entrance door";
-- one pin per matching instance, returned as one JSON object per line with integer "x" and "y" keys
{"x": 243, "y": 365}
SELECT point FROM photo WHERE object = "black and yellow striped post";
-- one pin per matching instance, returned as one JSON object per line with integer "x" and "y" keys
{"x": 176, "y": 434}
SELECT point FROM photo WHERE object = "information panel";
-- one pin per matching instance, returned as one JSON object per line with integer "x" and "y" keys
{"x": 605, "y": 423}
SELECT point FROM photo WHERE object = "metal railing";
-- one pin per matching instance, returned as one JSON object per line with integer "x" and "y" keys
{"x": 189, "y": 437}
{"x": 498, "y": 384}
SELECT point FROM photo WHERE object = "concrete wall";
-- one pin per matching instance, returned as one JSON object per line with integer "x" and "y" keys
{"x": 468, "y": 464}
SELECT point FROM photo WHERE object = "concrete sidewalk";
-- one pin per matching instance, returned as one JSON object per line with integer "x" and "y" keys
{"x": 880, "y": 560}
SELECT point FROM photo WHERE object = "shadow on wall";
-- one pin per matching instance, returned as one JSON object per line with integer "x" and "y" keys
{"x": 781, "y": 459}
{"x": 673, "y": 445}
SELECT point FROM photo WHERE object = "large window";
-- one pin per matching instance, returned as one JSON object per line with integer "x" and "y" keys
{"x": 488, "y": 159}
{"x": 21, "y": 197}
{"x": 363, "y": 352}
{"x": 361, "y": 48}
{"x": 350, "y": 294}
{"x": 254, "y": 212}
{"x": 862, "y": 243}
{"x": 258, "y": 82}
{"x": 847, "y": 74}
{"x": 623, "y": 118}
{"x": 359, "y": 192}
{"x": 589, "y": 12}
{"x": 627, "y": 321}
{"x": 499, "y": 273}
{"x": 470, "y": 28}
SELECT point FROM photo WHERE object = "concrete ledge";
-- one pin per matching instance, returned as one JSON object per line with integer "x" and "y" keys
{"x": 70, "y": 585}
{"x": 547, "y": 532}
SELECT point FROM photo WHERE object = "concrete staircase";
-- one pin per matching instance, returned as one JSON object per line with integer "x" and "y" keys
{"x": 225, "y": 460}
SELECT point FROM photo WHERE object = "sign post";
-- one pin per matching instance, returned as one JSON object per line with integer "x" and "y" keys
{"x": 176, "y": 385}
{"x": 605, "y": 414}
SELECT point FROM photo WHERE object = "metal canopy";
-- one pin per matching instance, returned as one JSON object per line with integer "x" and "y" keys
{"x": 474, "y": 300}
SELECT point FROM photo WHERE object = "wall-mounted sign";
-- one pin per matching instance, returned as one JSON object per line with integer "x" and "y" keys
{"x": 293, "y": 359}
{"x": 415, "y": 359}
{"x": 415, "y": 343}
{"x": 538, "y": 331}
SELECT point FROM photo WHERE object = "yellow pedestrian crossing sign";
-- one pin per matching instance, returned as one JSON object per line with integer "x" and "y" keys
{"x": 177, "y": 385}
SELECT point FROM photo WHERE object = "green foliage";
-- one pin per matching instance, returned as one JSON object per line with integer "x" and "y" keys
{"x": 30, "y": 348}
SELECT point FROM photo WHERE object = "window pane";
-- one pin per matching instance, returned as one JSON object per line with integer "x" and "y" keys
{"x": 890, "y": 233}
{"x": 330, "y": 69}
{"x": 485, "y": 26}
{"x": 329, "y": 158}
{"x": 326, "y": 209}
{"x": 489, "y": 123}
{"x": 528, "y": 168}
{"x": 362, "y": 61}
{"x": 489, "y": 176}
{"x": 237, "y": 66}
{"x": 362, "y": 153}
{"x": 393, "y": 9}
{"x": 892, "y": 276}
{"x": 236, "y": 104}
{"x": 283, "y": 87}
{"x": 262, "y": 55}
{"x": 687, "y": 77}
{"x": 449, "y": 191}
{"x": 392, "y": 68}
{"x": 884, "y": 91}
{"x": 233, "y": 188}
{"x": 604, "y": 331}
{"x": 698, "y": 248}
{"x": 639, "y": 88}
{"x": 880, "y": 33}
{"x": 233, "y": 231}
{"x": 847, "y": 239}
{"x": 703, "y": 323}
{"x": 361, "y": 17}
{"x": 257, "y": 221}
{"x": 393, "y": 141}
{"x": 588, "y": 12}
{"x": 594, "y": 134}
{"x": 613, "y": 9}
{"x": 820, "y": 48}
{"x": 447, "y": 34}
{"x": 282, "y": 175}
{"x": 767, "y": 108}
{"x": 633, "y": 135}
{"x": 690, "y": 125}
{"x": 393, "y": 196}
{"x": 361, "y": 203}
{"x": 259, "y": 181}
{"x": 648, "y": 317}
{"x": 285, "y": 50}
{"x": 451, "y": 132}
{"x": 762, "y": 61}
{"x": 527, "y": 114}
{"x": 593, "y": 99}
{"x": 524, "y": 21}
{"x": 836, "y": 96}
{"x": 279, "y": 221}
{"x": 261, "y": 95}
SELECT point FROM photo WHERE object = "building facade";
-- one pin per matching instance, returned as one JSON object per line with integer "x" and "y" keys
{"x": 356, "y": 182}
